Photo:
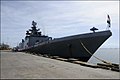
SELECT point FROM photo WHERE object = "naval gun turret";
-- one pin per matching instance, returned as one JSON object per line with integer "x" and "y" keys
{"x": 93, "y": 29}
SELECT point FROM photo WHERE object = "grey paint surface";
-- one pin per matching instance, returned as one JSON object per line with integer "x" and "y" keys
{"x": 18, "y": 65}
{"x": 60, "y": 47}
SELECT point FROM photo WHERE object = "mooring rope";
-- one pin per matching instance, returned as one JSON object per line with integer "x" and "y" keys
{"x": 95, "y": 56}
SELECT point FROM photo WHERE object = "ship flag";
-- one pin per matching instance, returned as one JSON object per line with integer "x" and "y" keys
{"x": 108, "y": 21}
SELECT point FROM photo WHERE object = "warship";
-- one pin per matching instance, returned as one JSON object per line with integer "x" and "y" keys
{"x": 80, "y": 46}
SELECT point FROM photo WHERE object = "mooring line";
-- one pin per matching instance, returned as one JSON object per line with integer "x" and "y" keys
{"x": 95, "y": 56}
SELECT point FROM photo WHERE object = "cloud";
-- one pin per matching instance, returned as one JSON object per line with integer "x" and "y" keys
{"x": 57, "y": 18}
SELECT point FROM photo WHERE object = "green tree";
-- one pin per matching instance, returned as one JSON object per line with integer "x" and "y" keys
{"x": 4, "y": 46}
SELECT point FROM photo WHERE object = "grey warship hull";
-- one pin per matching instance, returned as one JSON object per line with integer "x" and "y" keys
{"x": 81, "y": 46}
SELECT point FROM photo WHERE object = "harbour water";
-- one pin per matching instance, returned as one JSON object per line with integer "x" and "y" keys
{"x": 107, "y": 54}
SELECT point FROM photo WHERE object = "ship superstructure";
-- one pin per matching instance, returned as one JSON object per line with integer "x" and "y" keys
{"x": 33, "y": 36}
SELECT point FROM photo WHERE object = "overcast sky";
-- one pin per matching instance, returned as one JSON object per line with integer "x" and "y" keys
{"x": 58, "y": 19}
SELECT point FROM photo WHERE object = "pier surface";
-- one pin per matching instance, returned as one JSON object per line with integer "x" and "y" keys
{"x": 19, "y": 65}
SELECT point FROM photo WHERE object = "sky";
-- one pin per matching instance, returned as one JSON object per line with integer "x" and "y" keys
{"x": 58, "y": 19}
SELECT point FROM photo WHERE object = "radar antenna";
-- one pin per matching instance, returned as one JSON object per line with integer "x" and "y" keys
{"x": 34, "y": 23}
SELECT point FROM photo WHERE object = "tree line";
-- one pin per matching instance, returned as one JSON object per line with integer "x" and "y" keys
{"x": 4, "y": 46}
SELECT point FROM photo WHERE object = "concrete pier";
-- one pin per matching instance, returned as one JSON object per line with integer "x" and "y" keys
{"x": 19, "y": 65}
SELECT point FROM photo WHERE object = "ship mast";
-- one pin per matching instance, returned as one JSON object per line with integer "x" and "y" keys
{"x": 33, "y": 31}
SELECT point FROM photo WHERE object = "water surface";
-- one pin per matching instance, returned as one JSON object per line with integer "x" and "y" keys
{"x": 108, "y": 54}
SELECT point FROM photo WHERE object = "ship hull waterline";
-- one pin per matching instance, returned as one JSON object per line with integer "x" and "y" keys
{"x": 71, "y": 46}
